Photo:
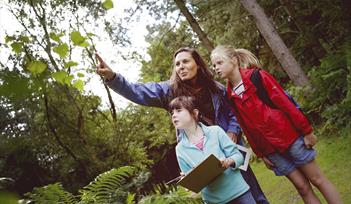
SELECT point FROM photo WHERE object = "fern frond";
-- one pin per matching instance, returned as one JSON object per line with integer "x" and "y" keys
{"x": 130, "y": 198}
{"x": 53, "y": 193}
{"x": 106, "y": 186}
{"x": 174, "y": 196}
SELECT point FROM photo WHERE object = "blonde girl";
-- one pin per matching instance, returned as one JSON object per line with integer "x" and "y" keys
{"x": 280, "y": 134}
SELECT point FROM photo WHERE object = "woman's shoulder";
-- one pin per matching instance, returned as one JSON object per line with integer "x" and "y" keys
{"x": 220, "y": 85}
{"x": 222, "y": 90}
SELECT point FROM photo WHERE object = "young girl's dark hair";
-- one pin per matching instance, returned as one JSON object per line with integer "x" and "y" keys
{"x": 204, "y": 76}
{"x": 186, "y": 102}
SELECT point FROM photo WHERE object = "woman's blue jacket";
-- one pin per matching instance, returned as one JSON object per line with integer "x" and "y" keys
{"x": 159, "y": 94}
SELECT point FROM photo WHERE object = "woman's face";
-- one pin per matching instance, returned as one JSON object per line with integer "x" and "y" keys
{"x": 185, "y": 66}
{"x": 224, "y": 67}
{"x": 181, "y": 118}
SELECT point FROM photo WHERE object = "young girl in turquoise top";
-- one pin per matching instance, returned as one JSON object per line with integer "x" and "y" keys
{"x": 197, "y": 143}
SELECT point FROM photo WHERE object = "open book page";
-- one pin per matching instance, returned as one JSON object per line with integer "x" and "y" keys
{"x": 247, "y": 153}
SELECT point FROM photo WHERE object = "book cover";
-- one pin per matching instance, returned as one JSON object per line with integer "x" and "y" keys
{"x": 202, "y": 174}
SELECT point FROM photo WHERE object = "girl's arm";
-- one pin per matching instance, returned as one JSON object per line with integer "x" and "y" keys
{"x": 183, "y": 165}
{"x": 229, "y": 148}
{"x": 283, "y": 103}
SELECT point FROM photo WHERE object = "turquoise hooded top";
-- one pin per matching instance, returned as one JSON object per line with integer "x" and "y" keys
{"x": 227, "y": 186}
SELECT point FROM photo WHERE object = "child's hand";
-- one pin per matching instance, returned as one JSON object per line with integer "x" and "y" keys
{"x": 227, "y": 162}
{"x": 310, "y": 140}
{"x": 268, "y": 163}
{"x": 103, "y": 69}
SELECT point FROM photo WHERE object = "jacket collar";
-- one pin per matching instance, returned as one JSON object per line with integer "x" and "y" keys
{"x": 183, "y": 137}
{"x": 245, "y": 75}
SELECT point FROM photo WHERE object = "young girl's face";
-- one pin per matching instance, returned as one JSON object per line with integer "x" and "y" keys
{"x": 223, "y": 66}
{"x": 182, "y": 119}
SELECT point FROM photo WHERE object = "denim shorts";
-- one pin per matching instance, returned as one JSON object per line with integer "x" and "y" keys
{"x": 297, "y": 155}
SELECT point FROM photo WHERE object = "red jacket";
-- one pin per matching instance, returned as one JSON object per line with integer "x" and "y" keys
{"x": 268, "y": 130}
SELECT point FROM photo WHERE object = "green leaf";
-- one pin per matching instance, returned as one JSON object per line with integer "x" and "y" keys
{"x": 84, "y": 44}
{"x": 105, "y": 185}
{"x": 80, "y": 74}
{"x": 17, "y": 47}
{"x": 56, "y": 37}
{"x": 9, "y": 39}
{"x": 108, "y": 4}
{"x": 130, "y": 198}
{"x": 14, "y": 84}
{"x": 36, "y": 67}
{"x": 70, "y": 64}
{"x": 62, "y": 77}
{"x": 77, "y": 38}
{"x": 24, "y": 39}
{"x": 69, "y": 79}
{"x": 52, "y": 193}
{"x": 79, "y": 84}
{"x": 62, "y": 50}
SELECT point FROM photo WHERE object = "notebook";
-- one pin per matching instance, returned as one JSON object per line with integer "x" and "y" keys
{"x": 202, "y": 175}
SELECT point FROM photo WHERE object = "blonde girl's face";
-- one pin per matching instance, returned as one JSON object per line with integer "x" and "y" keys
{"x": 182, "y": 119}
{"x": 185, "y": 66}
{"x": 223, "y": 66}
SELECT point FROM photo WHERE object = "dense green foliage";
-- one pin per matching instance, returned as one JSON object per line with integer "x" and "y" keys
{"x": 110, "y": 187}
{"x": 52, "y": 131}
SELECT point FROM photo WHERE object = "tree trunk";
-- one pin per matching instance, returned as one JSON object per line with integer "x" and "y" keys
{"x": 194, "y": 25}
{"x": 283, "y": 54}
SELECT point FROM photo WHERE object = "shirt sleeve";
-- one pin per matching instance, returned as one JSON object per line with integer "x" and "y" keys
{"x": 183, "y": 165}
{"x": 282, "y": 102}
{"x": 148, "y": 94}
{"x": 229, "y": 148}
{"x": 233, "y": 126}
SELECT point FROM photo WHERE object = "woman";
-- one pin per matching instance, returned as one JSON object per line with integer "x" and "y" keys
{"x": 190, "y": 77}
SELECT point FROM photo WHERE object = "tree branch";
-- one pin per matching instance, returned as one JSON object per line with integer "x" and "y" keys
{"x": 46, "y": 34}
{"x": 194, "y": 25}
{"x": 53, "y": 131}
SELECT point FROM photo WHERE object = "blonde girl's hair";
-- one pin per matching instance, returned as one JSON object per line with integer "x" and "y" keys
{"x": 244, "y": 57}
